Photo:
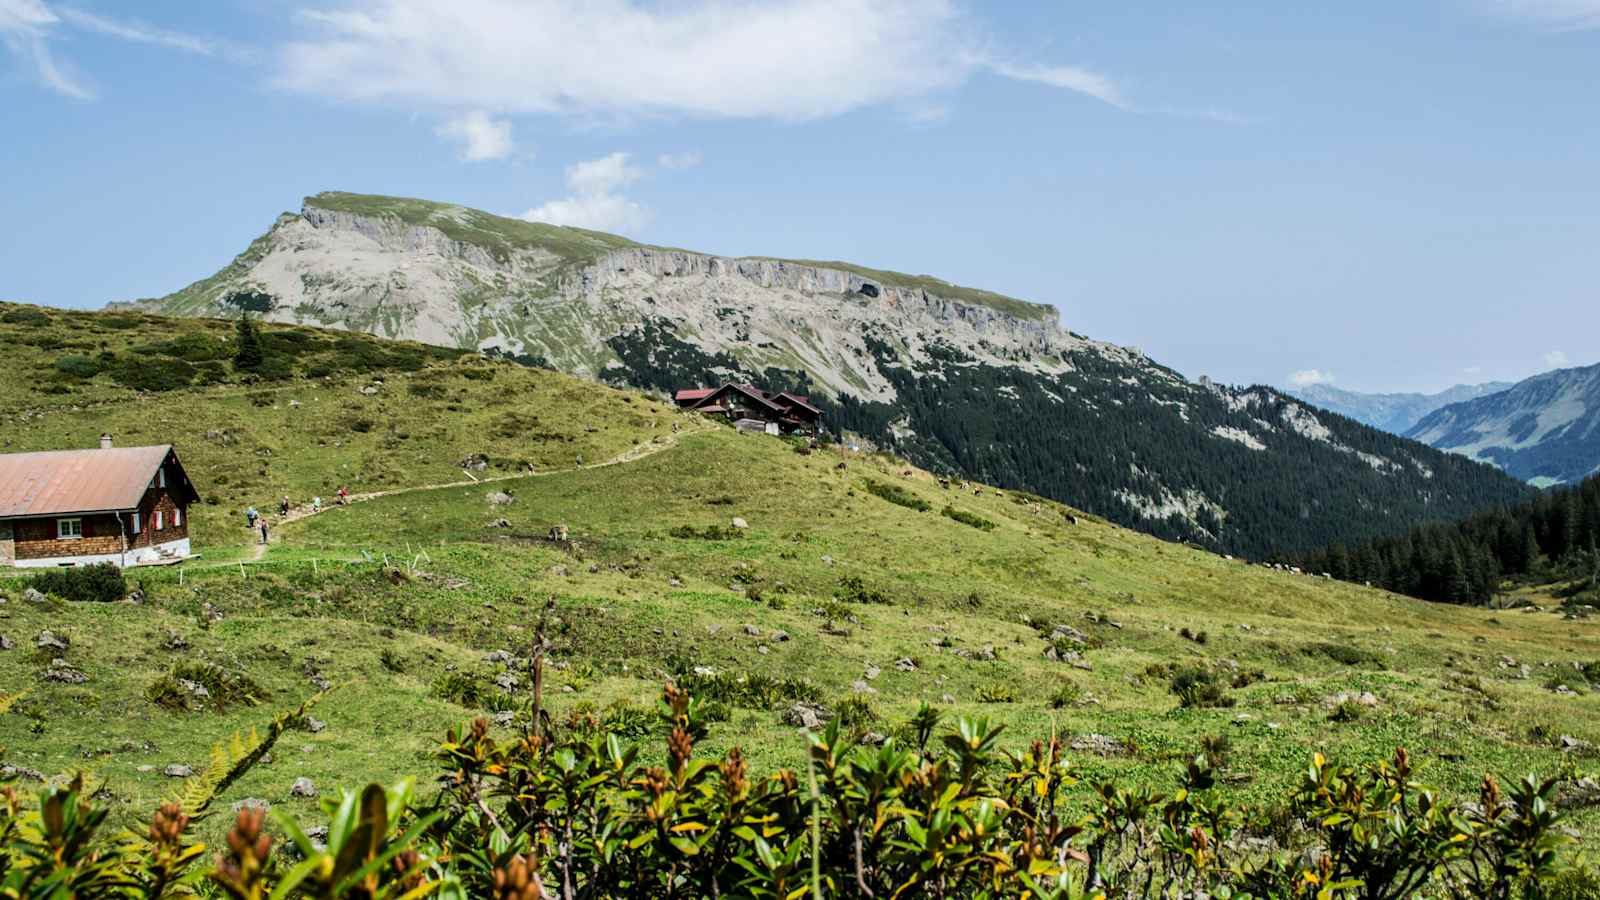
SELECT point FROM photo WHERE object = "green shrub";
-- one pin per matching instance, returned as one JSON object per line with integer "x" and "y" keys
{"x": 102, "y": 583}
{"x": 708, "y": 533}
{"x": 996, "y": 693}
{"x": 897, "y": 495}
{"x": 77, "y": 366}
{"x": 154, "y": 375}
{"x": 966, "y": 518}
{"x": 853, "y": 590}
{"x": 31, "y": 317}
{"x": 1344, "y": 654}
{"x": 1199, "y": 688}
{"x": 854, "y": 711}
{"x": 192, "y": 686}
{"x": 473, "y": 691}
{"x": 1066, "y": 694}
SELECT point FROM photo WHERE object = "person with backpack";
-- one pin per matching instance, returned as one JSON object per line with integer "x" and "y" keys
{"x": 250, "y": 516}
{"x": 283, "y": 505}
{"x": 263, "y": 529}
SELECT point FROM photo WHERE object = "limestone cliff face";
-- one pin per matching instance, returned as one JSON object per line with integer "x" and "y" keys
{"x": 451, "y": 278}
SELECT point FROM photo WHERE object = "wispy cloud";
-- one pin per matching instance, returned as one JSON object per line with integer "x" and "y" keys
{"x": 1556, "y": 359}
{"x": 138, "y": 32}
{"x": 27, "y": 28}
{"x": 788, "y": 59}
{"x": 1559, "y": 15}
{"x": 596, "y": 200}
{"x": 686, "y": 160}
{"x": 1309, "y": 377}
{"x": 480, "y": 136}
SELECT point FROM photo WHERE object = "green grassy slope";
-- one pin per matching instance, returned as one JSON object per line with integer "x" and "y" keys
{"x": 390, "y": 598}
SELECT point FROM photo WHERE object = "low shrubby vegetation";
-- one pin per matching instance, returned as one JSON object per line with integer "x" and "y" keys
{"x": 579, "y": 810}
{"x": 102, "y": 583}
{"x": 896, "y": 494}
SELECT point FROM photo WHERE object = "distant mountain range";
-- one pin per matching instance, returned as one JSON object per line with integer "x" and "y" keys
{"x": 1394, "y": 413}
{"x": 1544, "y": 430}
{"x": 960, "y": 380}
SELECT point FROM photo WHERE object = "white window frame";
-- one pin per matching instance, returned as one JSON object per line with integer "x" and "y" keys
{"x": 177, "y": 517}
{"x": 161, "y": 521}
{"x": 161, "y": 477}
{"x": 69, "y": 529}
{"x": 137, "y": 525}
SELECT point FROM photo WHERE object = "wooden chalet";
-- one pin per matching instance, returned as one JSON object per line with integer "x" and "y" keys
{"x": 127, "y": 506}
{"x": 753, "y": 409}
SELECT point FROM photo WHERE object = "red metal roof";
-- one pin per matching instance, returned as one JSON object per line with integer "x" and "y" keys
{"x": 798, "y": 400}
{"x": 694, "y": 394}
{"x": 54, "y": 482}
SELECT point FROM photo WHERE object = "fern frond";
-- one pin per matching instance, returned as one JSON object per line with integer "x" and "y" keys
{"x": 231, "y": 760}
{"x": 7, "y": 701}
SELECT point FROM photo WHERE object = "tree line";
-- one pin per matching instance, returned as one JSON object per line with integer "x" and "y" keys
{"x": 1551, "y": 537}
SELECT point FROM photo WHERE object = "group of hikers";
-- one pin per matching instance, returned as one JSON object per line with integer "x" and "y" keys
{"x": 256, "y": 521}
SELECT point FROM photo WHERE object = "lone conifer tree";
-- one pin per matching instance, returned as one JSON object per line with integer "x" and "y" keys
{"x": 247, "y": 353}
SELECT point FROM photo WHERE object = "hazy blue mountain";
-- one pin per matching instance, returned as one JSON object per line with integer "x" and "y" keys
{"x": 1394, "y": 413}
{"x": 1544, "y": 430}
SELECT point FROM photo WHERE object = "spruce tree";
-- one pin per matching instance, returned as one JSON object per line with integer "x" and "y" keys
{"x": 247, "y": 351}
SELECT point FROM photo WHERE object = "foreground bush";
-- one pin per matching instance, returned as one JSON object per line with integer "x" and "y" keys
{"x": 102, "y": 583}
{"x": 575, "y": 811}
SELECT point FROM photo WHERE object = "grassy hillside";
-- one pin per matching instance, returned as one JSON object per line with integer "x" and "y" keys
{"x": 396, "y": 601}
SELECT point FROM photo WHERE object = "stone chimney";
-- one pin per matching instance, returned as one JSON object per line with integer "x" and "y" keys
{"x": 105, "y": 441}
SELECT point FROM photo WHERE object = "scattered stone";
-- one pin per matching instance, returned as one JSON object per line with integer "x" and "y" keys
{"x": 500, "y": 498}
{"x": 779, "y": 637}
{"x": 302, "y": 787}
{"x": 827, "y": 560}
{"x": 14, "y": 771}
{"x": 175, "y": 641}
{"x": 315, "y": 725}
{"x": 1098, "y": 744}
{"x": 947, "y": 698}
{"x": 210, "y": 613}
{"x": 806, "y": 715}
{"x": 59, "y": 671}
{"x": 558, "y": 571}
{"x": 1363, "y": 698}
{"x": 1570, "y": 744}
{"x": 251, "y": 803}
{"x": 195, "y": 689}
{"x": 905, "y": 664}
{"x": 752, "y": 630}
{"x": 33, "y": 596}
{"x": 874, "y": 739}
{"x": 47, "y": 640}
{"x": 673, "y": 582}
{"x": 6, "y": 644}
{"x": 861, "y": 687}
{"x": 558, "y": 533}
{"x": 763, "y": 649}
{"x": 474, "y": 462}
{"x": 498, "y": 656}
{"x": 1067, "y": 632}
{"x": 146, "y": 768}
{"x": 505, "y": 718}
{"x": 740, "y": 523}
{"x": 500, "y": 523}
{"x": 369, "y": 391}
{"x": 178, "y": 770}
{"x": 872, "y": 672}
{"x": 135, "y": 597}
{"x": 507, "y": 681}
{"x": 1583, "y": 792}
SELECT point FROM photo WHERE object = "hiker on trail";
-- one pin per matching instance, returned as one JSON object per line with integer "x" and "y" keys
{"x": 263, "y": 529}
{"x": 316, "y": 504}
{"x": 250, "y": 516}
{"x": 344, "y": 494}
{"x": 283, "y": 505}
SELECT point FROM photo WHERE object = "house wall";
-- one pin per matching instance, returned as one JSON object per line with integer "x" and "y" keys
{"x": 138, "y": 557}
{"x": 8, "y": 545}
{"x": 36, "y": 538}
{"x": 159, "y": 498}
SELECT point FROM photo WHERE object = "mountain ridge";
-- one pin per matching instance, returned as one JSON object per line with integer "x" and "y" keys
{"x": 961, "y": 380}
{"x": 1544, "y": 429}
{"x": 1394, "y": 412}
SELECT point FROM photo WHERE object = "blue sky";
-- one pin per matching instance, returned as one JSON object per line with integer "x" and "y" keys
{"x": 1395, "y": 195}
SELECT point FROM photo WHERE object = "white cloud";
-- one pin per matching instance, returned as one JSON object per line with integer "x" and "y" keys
{"x": 137, "y": 32}
{"x": 787, "y": 59}
{"x": 1555, "y": 359}
{"x": 28, "y": 26}
{"x": 596, "y": 201}
{"x": 1561, "y": 15}
{"x": 686, "y": 160}
{"x": 25, "y": 27}
{"x": 1308, "y": 377}
{"x": 480, "y": 136}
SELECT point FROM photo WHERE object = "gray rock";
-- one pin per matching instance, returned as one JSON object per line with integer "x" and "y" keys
{"x": 48, "y": 640}
{"x": 947, "y": 698}
{"x": 752, "y": 630}
{"x": 806, "y": 715}
{"x": 1098, "y": 744}
{"x": 175, "y": 641}
{"x": 251, "y": 803}
{"x": 33, "y": 596}
{"x": 1363, "y": 698}
{"x": 195, "y": 688}
{"x": 500, "y": 523}
{"x": 6, "y": 644}
{"x": 302, "y": 787}
{"x": 1068, "y": 633}
{"x": 60, "y": 672}
{"x": 872, "y": 673}
{"x": 500, "y": 498}
{"x": 497, "y": 656}
{"x": 861, "y": 687}
{"x": 178, "y": 770}
{"x": 14, "y": 771}
{"x": 135, "y": 597}
{"x": 476, "y": 462}
{"x": 779, "y": 637}
{"x": 874, "y": 739}
{"x": 905, "y": 664}
{"x": 740, "y": 523}
{"x": 1570, "y": 744}
{"x": 315, "y": 725}
{"x": 369, "y": 391}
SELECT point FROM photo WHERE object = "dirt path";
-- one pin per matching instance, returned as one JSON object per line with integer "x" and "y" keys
{"x": 632, "y": 454}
